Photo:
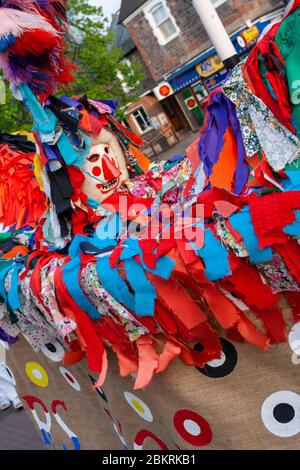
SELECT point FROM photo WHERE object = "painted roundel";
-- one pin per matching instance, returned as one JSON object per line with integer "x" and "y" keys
{"x": 70, "y": 378}
{"x": 37, "y": 374}
{"x": 193, "y": 428}
{"x": 54, "y": 351}
{"x": 145, "y": 434}
{"x": 99, "y": 390}
{"x": 281, "y": 414}
{"x": 222, "y": 367}
{"x": 139, "y": 406}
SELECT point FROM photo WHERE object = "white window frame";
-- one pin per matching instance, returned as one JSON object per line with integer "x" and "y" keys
{"x": 156, "y": 31}
{"x": 150, "y": 128}
{"x": 217, "y": 3}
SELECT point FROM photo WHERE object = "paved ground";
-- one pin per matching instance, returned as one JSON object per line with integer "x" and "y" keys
{"x": 17, "y": 432}
{"x": 179, "y": 149}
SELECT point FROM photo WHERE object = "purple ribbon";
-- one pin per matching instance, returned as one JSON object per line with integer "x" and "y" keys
{"x": 222, "y": 114}
{"x": 7, "y": 338}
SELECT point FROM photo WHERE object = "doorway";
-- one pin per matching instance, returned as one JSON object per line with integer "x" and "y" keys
{"x": 175, "y": 114}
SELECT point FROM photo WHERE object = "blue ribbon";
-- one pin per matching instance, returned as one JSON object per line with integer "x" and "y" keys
{"x": 11, "y": 298}
{"x": 3, "y": 274}
{"x": 44, "y": 121}
{"x": 242, "y": 223}
{"x": 114, "y": 283}
{"x": 71, "y": 273}
{"x": 292, "y": 183}
{"x": 294, "y": 228}
{"x": 142, "y": 300}
{"x": 215, "y": 257}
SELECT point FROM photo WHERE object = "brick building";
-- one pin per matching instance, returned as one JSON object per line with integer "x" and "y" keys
{"x": 146, "y": 117}
{"x": 181, "y": 62}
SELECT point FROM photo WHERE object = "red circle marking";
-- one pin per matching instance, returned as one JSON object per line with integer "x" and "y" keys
{"x": 69, "y": 377}
{"x": 144, "y": 434}
{"x": 165, "y": 90}
{"x": 191, "y": 103}
{"x": 205, "y": 436}
{"x": 96, "y": 171}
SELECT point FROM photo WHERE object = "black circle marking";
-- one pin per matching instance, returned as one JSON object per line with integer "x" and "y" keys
{"x": 51, "y": 347}
{"x": 231, "y": 358}
{"x": 99, "y": 390}
{"x": 284, "y": 413}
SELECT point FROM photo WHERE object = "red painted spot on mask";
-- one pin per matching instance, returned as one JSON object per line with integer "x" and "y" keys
{"x": 96, "y": 171}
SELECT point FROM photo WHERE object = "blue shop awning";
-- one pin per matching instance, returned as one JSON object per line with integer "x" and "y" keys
{"x": 185, "y": 79}
{"x": 187, "y": 75}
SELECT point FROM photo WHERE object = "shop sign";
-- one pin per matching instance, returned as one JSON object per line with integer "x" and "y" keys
{"x": 191, "y": 103}
{"x": 248, "y": 37}
{"x": 210, "y": 66}
{"x": 216, "y": 80}
{"x": 163, "y": 90}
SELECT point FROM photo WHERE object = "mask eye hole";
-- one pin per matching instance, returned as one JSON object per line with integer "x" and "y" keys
{"x": 94, "y": 158}
{"x": 106, "y": 149}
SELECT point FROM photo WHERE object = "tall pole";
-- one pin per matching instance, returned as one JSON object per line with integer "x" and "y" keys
{"x": 216, "y": 32}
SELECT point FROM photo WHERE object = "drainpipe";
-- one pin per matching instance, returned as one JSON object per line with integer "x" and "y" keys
{"x": 217, "y": 32}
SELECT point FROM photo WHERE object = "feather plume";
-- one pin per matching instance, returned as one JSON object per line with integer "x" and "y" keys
{"x": 55, "y": 12}
{"x": 17, "y": 22}
{"x": 24, "y": 5}
{"x": 32, "y": 43}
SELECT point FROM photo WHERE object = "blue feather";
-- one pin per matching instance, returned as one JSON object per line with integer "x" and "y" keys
{"x": 6, "y": 42}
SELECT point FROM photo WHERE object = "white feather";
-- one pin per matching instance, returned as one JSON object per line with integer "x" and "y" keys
{"x": 16, "y": 22}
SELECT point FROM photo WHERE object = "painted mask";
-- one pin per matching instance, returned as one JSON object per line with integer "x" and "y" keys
{"x": 105, "y": 168}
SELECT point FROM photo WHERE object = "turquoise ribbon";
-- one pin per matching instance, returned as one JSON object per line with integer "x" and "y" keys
{"x": 164, "y": 265}
{"x": 68, "y": 152}
{"x": 142, "y": 299}
{"x": 72, "y": 155}
{"x": 11, "y": 298}
{"x": 3, "y": 274}
{"x": 215, "y": 257}
{"x": 294, "y": 228}
{"x": 145, "y": 293}
{"x": 292, "y": 183}
{"x": 71, "y": 273}
{"x": 242, "y": 223}
{"x": 114, "y": 283}
{"x": 44, "y": 122}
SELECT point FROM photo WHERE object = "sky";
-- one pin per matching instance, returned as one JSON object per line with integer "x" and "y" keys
{"x": 109, "y": 6}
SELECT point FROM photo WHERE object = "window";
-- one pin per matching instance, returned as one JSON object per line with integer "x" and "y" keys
{"x": 161, "y": 21}
{"x": 200, "y": 91}
{"x": 142, "y": 119}
{"x": 217, "y": 3}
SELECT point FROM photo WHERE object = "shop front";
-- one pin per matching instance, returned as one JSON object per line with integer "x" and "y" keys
{"x": 190, "y": 85}
{"x": 184, "y": 101}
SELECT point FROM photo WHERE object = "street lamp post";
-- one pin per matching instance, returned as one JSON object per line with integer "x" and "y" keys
{"x": 216, "y": 32}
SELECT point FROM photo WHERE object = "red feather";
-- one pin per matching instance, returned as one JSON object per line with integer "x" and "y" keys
{"x": 66, "y": 73}
{"x": 35, "y": 42}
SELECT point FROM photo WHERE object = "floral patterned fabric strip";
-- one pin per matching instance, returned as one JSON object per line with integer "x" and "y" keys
{"x": 260, "y": 128}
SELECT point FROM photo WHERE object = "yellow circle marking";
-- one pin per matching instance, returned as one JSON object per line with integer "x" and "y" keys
{"x": 138, "y": 406}
{"x": 37, "y": 374}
